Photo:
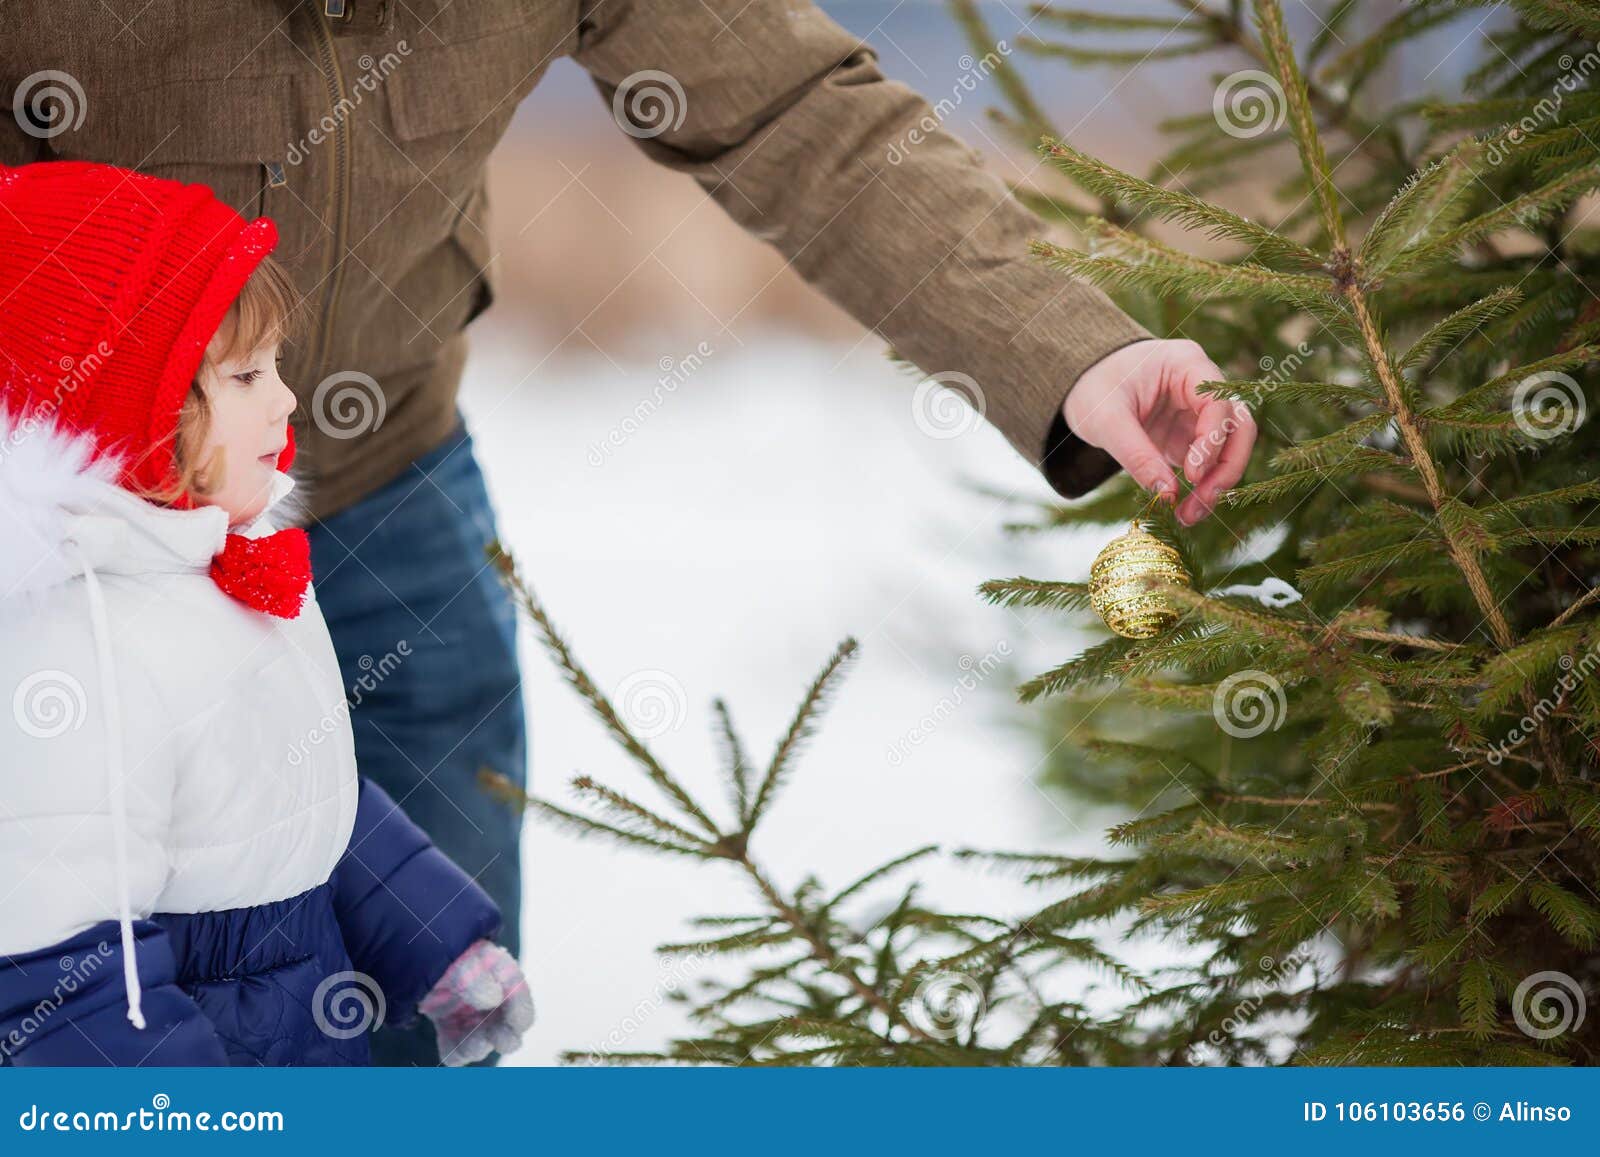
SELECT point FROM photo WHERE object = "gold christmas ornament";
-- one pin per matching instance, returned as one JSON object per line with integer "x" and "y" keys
{"x": 1120, "y": 590}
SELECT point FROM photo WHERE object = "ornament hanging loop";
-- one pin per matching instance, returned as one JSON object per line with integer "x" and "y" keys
{"x": 1150, "y": 505}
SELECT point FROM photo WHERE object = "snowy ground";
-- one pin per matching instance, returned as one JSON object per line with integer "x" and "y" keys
{"x": 779, "y": 499}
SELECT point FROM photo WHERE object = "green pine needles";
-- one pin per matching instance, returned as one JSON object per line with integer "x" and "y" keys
{"x": 865, "y": 975}
{"x": 1364, "y": 808}
{"x": 1389, "y": 779}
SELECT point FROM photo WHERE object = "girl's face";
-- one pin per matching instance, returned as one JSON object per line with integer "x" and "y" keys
{"x": 250, "y": 408}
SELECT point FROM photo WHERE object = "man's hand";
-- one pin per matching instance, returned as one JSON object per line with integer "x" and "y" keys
{"x": 1139, "y": 405}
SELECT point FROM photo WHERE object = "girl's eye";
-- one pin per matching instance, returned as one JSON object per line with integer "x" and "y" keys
{"x": 248, "y": 377}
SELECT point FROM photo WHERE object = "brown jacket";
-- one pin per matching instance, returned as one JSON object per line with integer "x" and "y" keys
{"x": 365, "y": 136}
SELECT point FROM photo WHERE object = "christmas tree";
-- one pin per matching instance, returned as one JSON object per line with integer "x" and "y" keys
{"x": 840, "y": 977}
{"x": 1355, "y": 763}
{"x": 1379, "y": 755}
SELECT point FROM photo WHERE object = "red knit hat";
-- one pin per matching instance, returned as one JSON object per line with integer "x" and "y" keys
{"x": 112, "y": 284}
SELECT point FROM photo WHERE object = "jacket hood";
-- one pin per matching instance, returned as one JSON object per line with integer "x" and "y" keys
{"x": 61, "y": 508}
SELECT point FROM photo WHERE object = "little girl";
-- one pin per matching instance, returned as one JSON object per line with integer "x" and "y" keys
{"x": 191, "y": 871}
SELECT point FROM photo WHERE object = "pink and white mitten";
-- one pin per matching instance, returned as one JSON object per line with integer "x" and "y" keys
{"x": 480, "y": 1005}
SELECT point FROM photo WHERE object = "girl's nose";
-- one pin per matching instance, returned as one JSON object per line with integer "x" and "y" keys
{"x": 286, "y": 402}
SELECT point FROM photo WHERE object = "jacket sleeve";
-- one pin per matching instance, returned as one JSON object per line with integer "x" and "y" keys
{"x": 406, "y": 909}
{"x": 62, "y": 998}
{"x": 785, "y": 119}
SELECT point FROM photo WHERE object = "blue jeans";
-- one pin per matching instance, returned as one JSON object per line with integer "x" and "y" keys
{"x": 426, "y": 637}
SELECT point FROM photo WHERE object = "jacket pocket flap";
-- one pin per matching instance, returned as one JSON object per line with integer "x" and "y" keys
{"x": 457, "y": 88}
{"x": 248, "y": 119}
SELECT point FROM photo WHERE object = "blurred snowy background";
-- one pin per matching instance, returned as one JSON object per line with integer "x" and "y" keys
{"x": 780, "y": 498}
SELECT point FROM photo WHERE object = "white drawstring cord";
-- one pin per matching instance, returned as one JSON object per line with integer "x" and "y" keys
{"x": 119, "y": 803}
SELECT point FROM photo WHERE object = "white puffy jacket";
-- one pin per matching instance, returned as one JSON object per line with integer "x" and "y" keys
{"x": 163, "y": 748}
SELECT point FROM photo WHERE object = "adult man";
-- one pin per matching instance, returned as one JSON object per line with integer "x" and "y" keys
{"x": 363, "y": 128}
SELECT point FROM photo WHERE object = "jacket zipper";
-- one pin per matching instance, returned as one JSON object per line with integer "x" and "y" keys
{"x": 334, "y": 79}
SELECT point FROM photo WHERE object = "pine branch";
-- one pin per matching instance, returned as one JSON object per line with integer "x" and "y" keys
{"x": 625, "y": 811}
{"x": 1176, "y": 205}
{"x": 736, "y": 767}
{"x": 506, "y": 567}
{"x": 1032, "y": 123}
{"x": 1026, "y": 592}
{"x": 1479, "y": 399}
{"x": 1422, "y": 461}
{"x": 881, "y": 872}
{"x": 800, "y": 728}
{"x": 1524, "y": 211}
{"x": 1126, "y": 56}
{"x": 1460, "y": 323}
{"x": 1433, "y": 198}
{"x": 1334, "y": 395}
{"x": 825, "y": 953}
{"x": 1280, "y": 55}
{"x": 1127, "y": 261}
{"x": 1361, "y": 460}
{"x": 580, "y": 825}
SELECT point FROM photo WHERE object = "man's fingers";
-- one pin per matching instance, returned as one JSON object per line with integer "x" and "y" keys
{"x": 1211, "y": 413}
{"x": 1212, "y": 429}
{"x": 1236, "y": 439}
{"x": 1114, "y": 399}
{"x": 1127, "y": 442}
{"x": 1235, "y": 453}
